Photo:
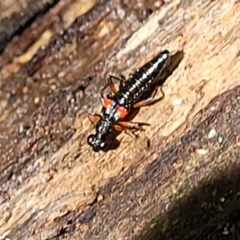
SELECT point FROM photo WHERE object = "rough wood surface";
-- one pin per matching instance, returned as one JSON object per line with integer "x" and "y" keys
{"x": 179, "y": 180}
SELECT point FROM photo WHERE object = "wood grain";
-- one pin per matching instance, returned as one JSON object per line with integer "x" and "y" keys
{"x": 178, "y": 180}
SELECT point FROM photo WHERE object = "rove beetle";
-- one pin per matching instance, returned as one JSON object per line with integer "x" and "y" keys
{"x": 118, "y": 105}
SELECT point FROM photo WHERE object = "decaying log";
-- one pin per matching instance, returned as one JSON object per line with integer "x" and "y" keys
{"x": 178, "y": 180}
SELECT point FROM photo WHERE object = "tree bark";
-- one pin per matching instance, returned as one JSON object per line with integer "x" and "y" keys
{"x": 178, "y": 180}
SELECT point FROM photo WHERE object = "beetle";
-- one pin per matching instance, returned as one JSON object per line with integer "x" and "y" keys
{"x": 128, "y": 97}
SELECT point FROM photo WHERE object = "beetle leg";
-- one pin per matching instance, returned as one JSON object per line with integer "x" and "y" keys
{"x": 149, "y": 101}
{"x": 121, "y": 128}
{"x": 94, "y": 118}
{"x": 127, "y": 125}
{"x": 121, "y": 79}
{"x": 111, "y": 84}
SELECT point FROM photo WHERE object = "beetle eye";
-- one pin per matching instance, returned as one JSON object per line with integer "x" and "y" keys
{"x": 90, "y": 139}
{"x": 102, "y": 145}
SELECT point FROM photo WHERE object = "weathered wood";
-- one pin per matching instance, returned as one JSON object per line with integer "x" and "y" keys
{"x": 179, "y": 180}
{"x": 19, "y": 16}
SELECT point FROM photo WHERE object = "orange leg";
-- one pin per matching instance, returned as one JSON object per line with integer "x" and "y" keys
{"x": 111, "y": 84}
{"x": 94, "y": 118}
{"x": 149, "y": 101}
{"x": 130, "y": 125}
{"x": 121, "y": 79}
{"x": 126, "y": 126}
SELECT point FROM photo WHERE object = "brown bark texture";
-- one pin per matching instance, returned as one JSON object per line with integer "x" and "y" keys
{"x": 179, "y": 179}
